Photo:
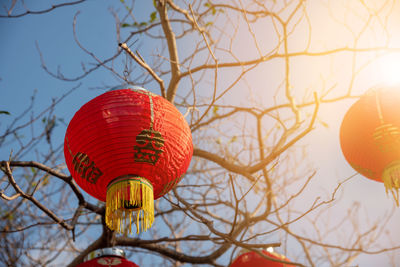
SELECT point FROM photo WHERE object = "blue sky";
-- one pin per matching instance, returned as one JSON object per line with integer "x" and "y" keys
{"x": 21, "y": 74}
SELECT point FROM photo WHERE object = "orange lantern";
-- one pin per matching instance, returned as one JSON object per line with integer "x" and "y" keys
{"x": 370, "y": 137}
{"x": 128, "y": 147}
{"x": 252, "y": 259}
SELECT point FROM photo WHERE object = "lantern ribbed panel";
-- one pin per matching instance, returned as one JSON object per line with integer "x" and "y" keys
{"x": 252, "y": 259}
{"x": 370, "y": 137}
{"x": 106, "y": 130}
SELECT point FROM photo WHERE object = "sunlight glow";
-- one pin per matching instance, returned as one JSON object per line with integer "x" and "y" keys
{"x": 270, "y": 249}
{"x": 389, "y": 69}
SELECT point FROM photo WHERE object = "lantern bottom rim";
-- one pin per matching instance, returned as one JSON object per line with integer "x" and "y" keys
{"x": 131, "y": 177}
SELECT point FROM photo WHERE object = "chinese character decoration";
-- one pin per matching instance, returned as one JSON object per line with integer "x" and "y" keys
{"x": 370, "y": 137}
{"x": 128, "y": 147}
{"x": 253, "y": 259}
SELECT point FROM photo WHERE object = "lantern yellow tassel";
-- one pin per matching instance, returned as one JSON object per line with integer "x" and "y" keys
{"x": 125, "y": 196}
{"x": 391, "y": 180}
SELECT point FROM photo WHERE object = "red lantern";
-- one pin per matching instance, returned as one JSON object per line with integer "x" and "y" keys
{"x": 252, "y": 259}
{"x": 128, "y": 147}
{"x": 107, "y": 257}
{"x": 370, "y": 137}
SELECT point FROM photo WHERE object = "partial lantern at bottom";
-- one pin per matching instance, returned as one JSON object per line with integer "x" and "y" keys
{"x": 107, "y": 257}
{"x": 252, "y": 259}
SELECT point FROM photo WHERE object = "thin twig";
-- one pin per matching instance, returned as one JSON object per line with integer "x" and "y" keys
{"x": 142, "y": 63}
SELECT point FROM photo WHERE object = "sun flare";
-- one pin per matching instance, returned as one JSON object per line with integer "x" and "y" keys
{"x": 389, "y": 69}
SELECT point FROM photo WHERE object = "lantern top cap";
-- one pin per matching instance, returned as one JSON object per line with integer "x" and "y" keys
{"x": 127, "y": 86}
{"x": 105, "y": 252}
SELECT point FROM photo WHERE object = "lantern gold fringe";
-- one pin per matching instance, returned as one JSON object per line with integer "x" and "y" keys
{"x": 135, "y": 192}
{"x": 391, "y": 180}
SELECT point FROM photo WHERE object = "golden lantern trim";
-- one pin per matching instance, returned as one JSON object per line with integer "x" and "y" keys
{"x": 127, "y": 197}
{"x": 391, "y": 179}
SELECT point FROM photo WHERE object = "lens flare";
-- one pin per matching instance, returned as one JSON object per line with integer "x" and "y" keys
{"x": 389, "y": 69}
